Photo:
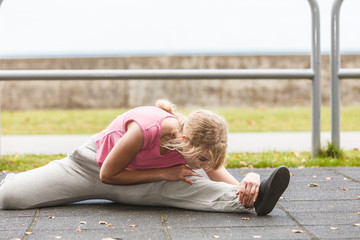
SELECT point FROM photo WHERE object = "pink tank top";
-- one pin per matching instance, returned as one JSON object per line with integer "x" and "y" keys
{"x": 149, "y": 120}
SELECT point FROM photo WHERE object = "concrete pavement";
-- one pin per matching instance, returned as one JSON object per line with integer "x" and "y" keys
{"x": 320, "y": 203}
{"x": 238, "y": 142}
{"x": 331, "y": 210}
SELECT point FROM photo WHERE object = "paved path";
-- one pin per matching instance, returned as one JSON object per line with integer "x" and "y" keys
{"x": 328, "y": 211}
{"x": 238, "y": 142}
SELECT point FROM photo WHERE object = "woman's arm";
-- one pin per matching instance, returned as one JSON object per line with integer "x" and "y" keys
{"x": 248, "y": 188}
{"x": 114, "y": 171}
{"x": 222, "y": 175}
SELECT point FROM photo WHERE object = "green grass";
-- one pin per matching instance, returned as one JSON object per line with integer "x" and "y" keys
{"x": 286, "y": 119}
{"x": 18, "y": 163}
{"x": 57, "y": 121}
{"x": 239, "y": 120}
{"x": 291, "y": 159}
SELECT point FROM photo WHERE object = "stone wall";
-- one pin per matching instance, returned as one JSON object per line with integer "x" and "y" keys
{"x": 65, "y": 94}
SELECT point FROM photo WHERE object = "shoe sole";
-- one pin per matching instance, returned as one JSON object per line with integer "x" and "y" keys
{"x": 276, "y": 185}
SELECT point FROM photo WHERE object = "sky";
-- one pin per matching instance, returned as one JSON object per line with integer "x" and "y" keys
{"x": 51, "y": 28}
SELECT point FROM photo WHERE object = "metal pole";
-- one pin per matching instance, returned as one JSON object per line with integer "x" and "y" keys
{"x": 334, "y": 78}
{"x": 316, "y": 83}
{"x": 348, "y": 73}
{"x": 0, "y": 111}
{"x": 0, "y": 97}
{"x": 156, "y": 74}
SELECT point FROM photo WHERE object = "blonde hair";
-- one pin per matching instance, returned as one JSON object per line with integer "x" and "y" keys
{"x": 165, "y": 105}
{"x": 205, "y": 131}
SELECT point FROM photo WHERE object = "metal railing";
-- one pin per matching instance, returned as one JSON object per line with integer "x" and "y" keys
{"x": 337, "y": 73}
{"x": 313, "y": 74}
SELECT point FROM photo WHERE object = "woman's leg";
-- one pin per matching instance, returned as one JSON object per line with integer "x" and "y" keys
{"x": 76, "y": 178}
{"x": 59, "y": 182}
{"x": 202, "y": 195}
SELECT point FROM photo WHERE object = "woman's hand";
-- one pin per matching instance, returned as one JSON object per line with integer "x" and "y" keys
{"x": 179, "y": 173}
{"x": 249, "y": 189}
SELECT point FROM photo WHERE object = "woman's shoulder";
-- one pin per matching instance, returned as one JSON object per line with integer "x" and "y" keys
{"x": 145, "y": 114}
{"x": 170, "y": 125}
{"x": 150, "y": 118}
{"x": 148, "y": 111}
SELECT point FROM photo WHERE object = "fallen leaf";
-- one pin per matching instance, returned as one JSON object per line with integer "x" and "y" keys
{"x": 297, "y": 231}
{"x": 282, "y": 198}
{"x": 314, "y": 176}
{"x": 163, "y": 219}
{"x": 359, "y": 197}
{"x": 251, "y": 122}
{"x": 313, "y": 185}
{"x": 15, "y": 239}
{"x": 78, "y": 229}
{"x": 291, "y": 174}
{"x": 296, "y": 154}
{"x": 256, "y": 236}
{"x": 103, "y": 223}
{"x": 329, "y": 178}
{"x": 133, "y": 225}
{"x": 29, "y": 233}
{"x": 356, "y": 224}
{"x": 356, "y": 149}
{"x": 334, "y": 228}
{"x": 82, "y": 222}
{"x": 215, "y": 236}
{"x": 51, "y": 217}
{"x": 261, "y": 108}
{"x": 358, "y": 213}
{"x": 345, "y": 189}
{"x": 245, "y": 218}
{"x": 111, "y": 239}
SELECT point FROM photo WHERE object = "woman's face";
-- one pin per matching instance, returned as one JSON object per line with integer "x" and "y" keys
{"x": 200, "y": 161}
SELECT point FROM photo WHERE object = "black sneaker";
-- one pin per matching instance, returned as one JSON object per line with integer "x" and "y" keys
{"x": 271, "y": 190}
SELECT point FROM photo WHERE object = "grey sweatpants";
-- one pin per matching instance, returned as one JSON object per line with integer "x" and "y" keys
{"x": 76, "y": 178}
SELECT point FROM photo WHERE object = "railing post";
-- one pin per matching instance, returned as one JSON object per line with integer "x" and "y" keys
{"x": 0, "y": 96}
{"x": 316, "y": 81}
{"x": 334, "y": 77}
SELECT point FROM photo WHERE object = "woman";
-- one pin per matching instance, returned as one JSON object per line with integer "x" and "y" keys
{"x": 147, "y": 156}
